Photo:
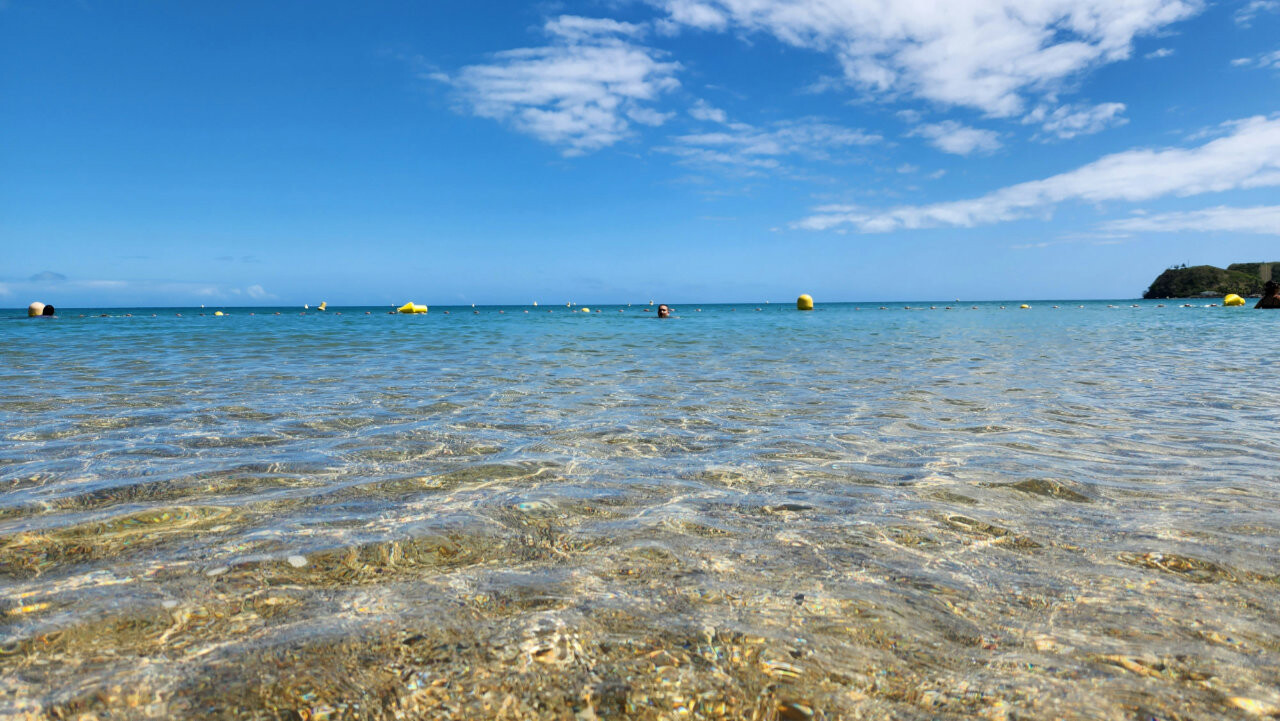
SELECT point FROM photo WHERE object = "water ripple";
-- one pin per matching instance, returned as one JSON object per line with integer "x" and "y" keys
{"x": 839, "y": 514}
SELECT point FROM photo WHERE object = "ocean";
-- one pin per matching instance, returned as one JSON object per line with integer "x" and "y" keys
{"x": 1070, "y": 511}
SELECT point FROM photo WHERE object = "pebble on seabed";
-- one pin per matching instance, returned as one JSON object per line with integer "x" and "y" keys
{"x": 297, "y": 561}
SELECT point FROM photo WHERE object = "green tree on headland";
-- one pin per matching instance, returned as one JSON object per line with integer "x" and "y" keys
{"x": 1183, "y": 282}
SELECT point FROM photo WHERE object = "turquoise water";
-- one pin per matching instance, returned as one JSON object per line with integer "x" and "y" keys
{"x": 1065, "y": 512}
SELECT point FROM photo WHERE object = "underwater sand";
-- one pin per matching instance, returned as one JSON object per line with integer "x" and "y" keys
{"x": 1066, "y": 513}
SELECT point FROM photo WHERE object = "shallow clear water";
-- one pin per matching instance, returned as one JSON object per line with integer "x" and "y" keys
{"x": 850, "y": 513}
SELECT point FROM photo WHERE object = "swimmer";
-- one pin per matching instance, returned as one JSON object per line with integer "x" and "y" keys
{"x": 1270, "y": 296}
{"x": 664, "y": 311}
{"x": 47, "y": 311}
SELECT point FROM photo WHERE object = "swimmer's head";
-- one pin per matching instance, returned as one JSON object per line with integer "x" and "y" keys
{"x": 1270, "y": 288}
{"x": 664, "y": 311}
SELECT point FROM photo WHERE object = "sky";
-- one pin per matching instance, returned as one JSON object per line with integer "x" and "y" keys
{"x": 603, "y": 151}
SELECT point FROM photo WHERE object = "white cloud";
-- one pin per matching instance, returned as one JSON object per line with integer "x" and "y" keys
{"x": 257, "y": 292}
{"x": 700, "y": 15}
{"x": 1246, "y": 14}
{"x": 956, "y": 138}
{"x": 162, "y": 291}
{"x": 649, "y": 116}
{"x": 984, "y": 54}
{"x": 702, "y": 110}
{"x": 578, "y": 92}
{"x": 576, "y": 28}
{"x": 747, "y": 146}
{"x": 1248, "y": 156}
{"x": 1266, "y": 60}
{"x": 1264, "y": 220}
{"x": 1068, "y": 121}
{"x": 911, "y": 117}
{"x": 1159, "y": 53}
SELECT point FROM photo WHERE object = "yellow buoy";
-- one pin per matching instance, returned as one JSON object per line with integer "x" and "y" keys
{"x": 324, "y": 305}
{"x": 411, "y": 308}
{"x": 804, "y": 302}
{"x": 217, "y": 312}
{"x": 1232, "y": 299}
{"x": 35, "y": 310}
{"x": 1024, "y": 306}
{"x": 586, "y": 309}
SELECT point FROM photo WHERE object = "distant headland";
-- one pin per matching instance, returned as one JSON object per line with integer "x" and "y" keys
{"x": 1244, "y": 279}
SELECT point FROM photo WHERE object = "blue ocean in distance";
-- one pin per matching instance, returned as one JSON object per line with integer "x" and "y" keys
{"x": 1056, "y": 512}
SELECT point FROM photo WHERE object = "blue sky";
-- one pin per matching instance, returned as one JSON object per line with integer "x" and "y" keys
{"x": 237, "y": 153}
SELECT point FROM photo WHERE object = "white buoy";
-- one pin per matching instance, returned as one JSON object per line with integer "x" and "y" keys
{"x": 35, "y": 309}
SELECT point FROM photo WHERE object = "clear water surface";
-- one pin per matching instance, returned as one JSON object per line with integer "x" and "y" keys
{"x": 1053, "y": 513}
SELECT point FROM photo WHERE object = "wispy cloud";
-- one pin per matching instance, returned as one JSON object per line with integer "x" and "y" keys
{"x": 1068, "y": 121}
{"x": 702, "y": 110}
{"x": 983, "y": 54}
{"x": 956, "y": 138}
{"x": 112, "y": 290}
{"x": 746, "y": 146}
{"x": 1159, "y": 53}
{"x": 47, "y": 276}
{"x": 1266, "y": 60}
{"x": 1246, "y": 15}
{"x": 581, "y": 92}
{"x": 1248, "y": 156}
{"x": 1263, "y": 220}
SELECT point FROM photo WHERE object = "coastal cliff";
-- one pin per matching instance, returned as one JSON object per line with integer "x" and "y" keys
{"x": 1188, "y": 282}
